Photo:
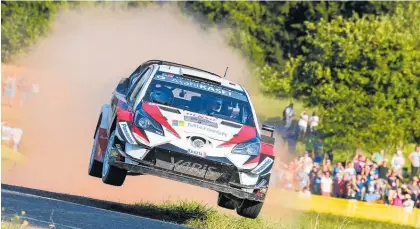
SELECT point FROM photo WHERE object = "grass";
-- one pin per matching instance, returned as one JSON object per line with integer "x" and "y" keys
{"x": 17, "y": 222}
{"x": 199, "y": 216}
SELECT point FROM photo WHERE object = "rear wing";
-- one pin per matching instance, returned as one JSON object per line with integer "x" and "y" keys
{"x": 268, "y": 134}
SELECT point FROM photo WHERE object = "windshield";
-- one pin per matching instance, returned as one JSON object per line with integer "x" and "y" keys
{"x": 200, "y": 97}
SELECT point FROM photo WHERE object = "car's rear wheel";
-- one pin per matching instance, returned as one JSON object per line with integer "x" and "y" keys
{"x": 225, "y": 202}
{"x": 249, "y": 209}
{"x": 110, "y": 174}
{"x": 95, "y": 167}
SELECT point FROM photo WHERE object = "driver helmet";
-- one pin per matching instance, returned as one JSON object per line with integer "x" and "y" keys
{"x": 161, "y": 94}
{"x": 214, "y": 104}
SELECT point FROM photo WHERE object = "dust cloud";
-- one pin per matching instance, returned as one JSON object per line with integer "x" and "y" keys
{"x": 88, "y": 51}
{"x": 78, "y": 65}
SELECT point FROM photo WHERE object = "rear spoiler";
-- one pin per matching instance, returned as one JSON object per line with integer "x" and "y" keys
{"x": 269, "y": 129}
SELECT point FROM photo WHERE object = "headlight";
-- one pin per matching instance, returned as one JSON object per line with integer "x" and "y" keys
{"x": 144, "y": 121}
{"x": 247, "y": 148}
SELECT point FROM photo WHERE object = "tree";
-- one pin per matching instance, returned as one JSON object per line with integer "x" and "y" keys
{"x": 363, "y": 75}
{"x": 23, "y": 23}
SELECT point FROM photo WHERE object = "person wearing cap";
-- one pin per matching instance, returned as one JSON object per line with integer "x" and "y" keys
{"x": 397, "y": 162}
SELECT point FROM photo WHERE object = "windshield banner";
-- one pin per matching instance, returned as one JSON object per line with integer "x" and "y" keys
{"x": 201, "y": 86}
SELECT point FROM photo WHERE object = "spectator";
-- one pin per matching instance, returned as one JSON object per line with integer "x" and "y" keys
{"x": 326, "y": 184}
{"x": 397, "y": 162}
{"x": 303, "y": 124}
{"x": 316, "y": 185}
{"x": 392, "y": 185}
{"x": 414, "y": 188}
{"x": 338, "y": 169}
{"x": 288, "y": 115}
{"x": 318, "y": 150}
{"x": 341, "y": 189}
{"x": 303, "y": 180}
{"x": 378, "y": 156}
{"x": 380, "y": 189}
{"x": 326, "y": 166}
{"x": 415, "y": 161}
{"x": 397, "y": 198}
{"x": 350, "y": 169}
{"x": 408, "y": 204}
{"x": 306, "y": 162}
{"x": 312, "y": 176}
{"x": 359, "y": 187}
{"x": 371, "y": 196}
{"x": 383, "y": 169}
{"x": 313, "y": 120}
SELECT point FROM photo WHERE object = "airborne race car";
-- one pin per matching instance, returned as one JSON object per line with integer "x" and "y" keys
{"x": 185, "y": 124}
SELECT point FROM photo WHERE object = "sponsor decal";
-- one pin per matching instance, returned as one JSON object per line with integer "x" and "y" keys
{"x": 177, "y": 123}
{"x": 196, "y": 153}
{"x": 262, "y": 166}
{"x": 195, "y": 169}
{"x": 127, "y": 133}
{"x": 202, "y": 86}
{"x": 200, "y": 121}
{"x": 205, "y": 128}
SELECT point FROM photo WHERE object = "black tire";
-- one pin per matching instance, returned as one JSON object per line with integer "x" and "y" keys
{"x": 110, "y": 174}
{"x": 249, "y": 209}
{"x": 95, "y": 167}
{"x": 225, "y": 202}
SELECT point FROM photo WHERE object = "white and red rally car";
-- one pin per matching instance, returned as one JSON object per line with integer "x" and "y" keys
{"x": 189, "y": 125}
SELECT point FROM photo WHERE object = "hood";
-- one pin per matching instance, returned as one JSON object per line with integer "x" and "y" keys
{"x": 190, "y": 124}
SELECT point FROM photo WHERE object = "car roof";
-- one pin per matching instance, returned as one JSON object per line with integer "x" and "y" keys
{"x": 193, "y": 72}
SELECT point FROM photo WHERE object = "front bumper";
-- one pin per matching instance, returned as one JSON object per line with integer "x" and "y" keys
{"x": 150, "y": 170}
{"x": 223, "y": 177}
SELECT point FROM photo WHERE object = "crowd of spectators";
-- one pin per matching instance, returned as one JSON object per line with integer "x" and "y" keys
{"x": 370, "y": 178}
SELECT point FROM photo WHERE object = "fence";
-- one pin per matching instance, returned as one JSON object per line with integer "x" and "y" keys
{"x": 342, "y": 207}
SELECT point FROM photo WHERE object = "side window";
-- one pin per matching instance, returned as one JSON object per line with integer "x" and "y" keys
{"x": 132, "y": 97}
{"x": 136, "y": 82}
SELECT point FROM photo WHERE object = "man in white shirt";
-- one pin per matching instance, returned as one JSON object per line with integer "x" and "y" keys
{"x": 414, "y": 158}
{"x": 303, "y": 124}
{"x": 313, "y": 122}
{"x": 288, "y": 116}
{"x": 397, "y": 162}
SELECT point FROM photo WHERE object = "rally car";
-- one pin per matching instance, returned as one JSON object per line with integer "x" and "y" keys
{"x": 185, "y": 124}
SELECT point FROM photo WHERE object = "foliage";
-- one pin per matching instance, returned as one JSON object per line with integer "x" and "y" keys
{"x": 23, "y": 23}
{"x": 363, "y": 74}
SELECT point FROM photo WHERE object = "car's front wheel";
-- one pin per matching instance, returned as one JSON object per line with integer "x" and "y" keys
{"x": 95, "y": 167}
{"x": 249, "y": 208}
{"x": 225, "y": 202}
{"x": 110, "y": 174}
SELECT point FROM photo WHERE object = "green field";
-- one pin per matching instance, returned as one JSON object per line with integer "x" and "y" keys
{"x": 198, "y": 216}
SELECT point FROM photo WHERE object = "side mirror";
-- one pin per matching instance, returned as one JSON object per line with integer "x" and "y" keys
{"x": 269, "y": 129}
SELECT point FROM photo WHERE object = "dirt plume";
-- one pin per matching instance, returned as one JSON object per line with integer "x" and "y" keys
{"x": 88, "y": 51}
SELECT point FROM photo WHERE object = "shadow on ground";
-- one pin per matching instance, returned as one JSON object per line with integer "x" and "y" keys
{"x": 179, "y": 213}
